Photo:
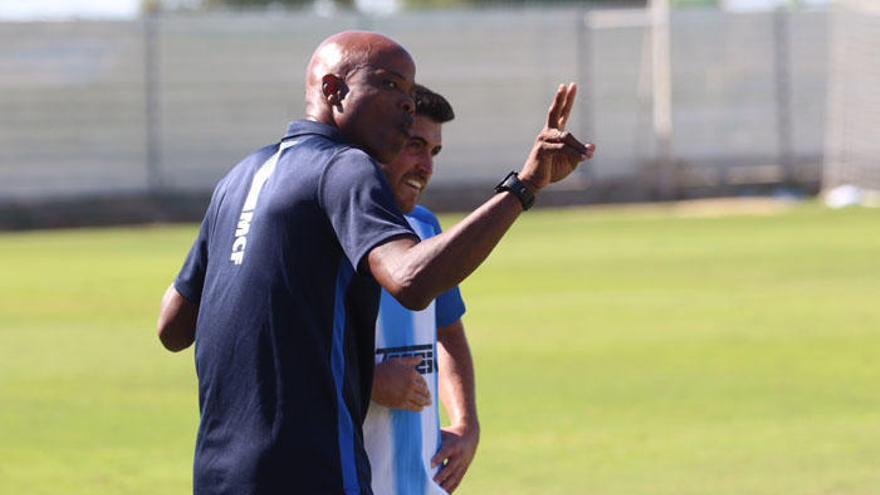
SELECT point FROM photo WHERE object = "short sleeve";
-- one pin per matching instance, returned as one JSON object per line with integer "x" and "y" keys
{"x": 449, "y": 307}
{"x": 191, "y": 279}
{"x": 360, "y": 205}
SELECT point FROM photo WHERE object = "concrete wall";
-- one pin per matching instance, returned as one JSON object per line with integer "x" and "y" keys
{"x": 168, "y": 105}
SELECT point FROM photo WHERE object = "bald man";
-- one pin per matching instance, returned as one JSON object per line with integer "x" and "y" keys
{"x": 280, "y": 290}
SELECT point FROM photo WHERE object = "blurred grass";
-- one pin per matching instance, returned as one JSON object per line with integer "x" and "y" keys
{"x": 618, "y": 351}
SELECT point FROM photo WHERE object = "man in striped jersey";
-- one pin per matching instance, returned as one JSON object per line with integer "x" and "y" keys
{"x": 408, "y": 451}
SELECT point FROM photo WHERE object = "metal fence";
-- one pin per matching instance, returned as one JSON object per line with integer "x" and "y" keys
{"x": 169, "y": 103}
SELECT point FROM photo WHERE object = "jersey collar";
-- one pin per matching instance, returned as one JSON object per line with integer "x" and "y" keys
{"x": 302, "y": 127}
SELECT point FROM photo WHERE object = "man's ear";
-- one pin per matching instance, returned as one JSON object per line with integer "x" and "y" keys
{"x": 334, "y": 90}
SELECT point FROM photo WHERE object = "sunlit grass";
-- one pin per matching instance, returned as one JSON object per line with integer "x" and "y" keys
{"x": 618, "y": 351}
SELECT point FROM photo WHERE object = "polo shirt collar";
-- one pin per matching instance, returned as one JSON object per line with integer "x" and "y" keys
{"x": 303, "y": 126}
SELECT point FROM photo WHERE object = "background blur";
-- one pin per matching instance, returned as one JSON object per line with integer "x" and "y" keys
{"x": 115, "y": 110}
{"x": 723, "y": 347}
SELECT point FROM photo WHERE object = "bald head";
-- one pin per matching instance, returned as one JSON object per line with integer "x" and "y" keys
{"x": 342, "y": 55}
{"x": 362, "y": 83}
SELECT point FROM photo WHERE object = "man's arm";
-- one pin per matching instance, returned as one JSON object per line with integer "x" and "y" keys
{"x": 416, "y": 272}
{"x": 177, "y": 321}
{"x": 458, "y": 393}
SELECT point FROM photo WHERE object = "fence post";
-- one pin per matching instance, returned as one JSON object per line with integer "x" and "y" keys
{"x": 783, "y": 94}
{"x": 661, "y": 98}
{"x": 584, "y": 64}
{"x": 152, "y": 125}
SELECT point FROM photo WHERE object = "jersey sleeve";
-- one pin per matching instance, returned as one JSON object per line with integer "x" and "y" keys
{"x": 191, "y": 279}
{"x": 449, "y": 306}
{"x": 360, "y": 205}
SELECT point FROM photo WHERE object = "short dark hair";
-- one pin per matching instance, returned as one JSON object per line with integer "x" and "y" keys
{"x": 432, "y": 105}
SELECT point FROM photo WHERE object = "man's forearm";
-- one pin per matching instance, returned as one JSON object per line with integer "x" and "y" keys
{"x": 416, "y": 273}
{"x": 457, "y": 381}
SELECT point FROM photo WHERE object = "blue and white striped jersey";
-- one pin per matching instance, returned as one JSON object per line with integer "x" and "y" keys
{"x": 400, "y": 443}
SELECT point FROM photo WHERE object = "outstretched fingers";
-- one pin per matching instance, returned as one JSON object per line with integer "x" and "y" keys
{"x": 561, "y": 107}
{"x": 568, "y": 105}
{"x": 556, "y": 107}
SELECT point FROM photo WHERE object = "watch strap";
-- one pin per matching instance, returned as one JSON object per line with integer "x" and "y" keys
{"x": 512, "y": 184}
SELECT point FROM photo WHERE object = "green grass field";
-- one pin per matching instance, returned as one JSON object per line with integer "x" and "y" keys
{"x": 618, "y": 351}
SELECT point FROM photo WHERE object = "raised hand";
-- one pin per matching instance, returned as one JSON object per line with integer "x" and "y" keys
{"x": 556, "y": 152}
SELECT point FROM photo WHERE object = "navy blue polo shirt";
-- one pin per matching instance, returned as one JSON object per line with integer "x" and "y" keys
{"x": 285, "y": 334}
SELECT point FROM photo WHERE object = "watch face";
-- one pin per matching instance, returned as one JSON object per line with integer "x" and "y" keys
{"x": 506, "y": 182}
{"x": 512, "y": 183}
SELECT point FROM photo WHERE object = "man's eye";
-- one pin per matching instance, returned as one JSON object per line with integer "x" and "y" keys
{"x": 390, "y": 84}
{"x": 414, "y": 145}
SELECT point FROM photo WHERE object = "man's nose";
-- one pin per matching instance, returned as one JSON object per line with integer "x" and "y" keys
{"x": 426, "y": 165}
{"x": 409, "y": 104}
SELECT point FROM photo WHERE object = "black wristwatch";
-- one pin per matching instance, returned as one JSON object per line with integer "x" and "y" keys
{"x": 517, "y": 188}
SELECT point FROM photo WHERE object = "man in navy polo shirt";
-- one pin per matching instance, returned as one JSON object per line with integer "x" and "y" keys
{"x": 279, "y": 291}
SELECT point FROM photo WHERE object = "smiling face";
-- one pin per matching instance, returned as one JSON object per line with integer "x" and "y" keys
{"x": 410, "y": 172}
